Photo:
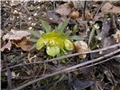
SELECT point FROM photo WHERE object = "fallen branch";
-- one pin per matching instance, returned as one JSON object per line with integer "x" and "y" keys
{"x": 70, "y": 69}
{"x": 67, "y": 56}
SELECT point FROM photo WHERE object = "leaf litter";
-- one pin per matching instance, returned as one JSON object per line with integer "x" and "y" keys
{"x": 16, "y": 40}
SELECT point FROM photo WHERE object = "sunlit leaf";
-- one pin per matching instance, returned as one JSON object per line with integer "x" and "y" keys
{"x": 68, "y": 45}
{"x": 46, "y": 26}
{"x": 53, "y": 50}
{"x": 40, "y": 43}
{"x": 34, "y": 33}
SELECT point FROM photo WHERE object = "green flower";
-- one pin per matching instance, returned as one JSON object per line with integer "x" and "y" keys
{"x": 57, "y": 42}
{"x": 54, "y": 42}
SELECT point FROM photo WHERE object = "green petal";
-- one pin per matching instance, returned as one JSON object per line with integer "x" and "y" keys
{"x": 40, "y": 43}
{"x": 68, "y": 45}
{"x": 53, "y": 50}
{"x": 59, "y": 42}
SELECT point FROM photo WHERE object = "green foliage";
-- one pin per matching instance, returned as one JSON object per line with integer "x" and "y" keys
{"x": 62, "y": 26}
{"x": 76, "y": 38}
{"x": 92, "y": 33}
{"x": 56, "y": 41}
{"x": 34, "y": 33}
{"x": 46, "y": 26}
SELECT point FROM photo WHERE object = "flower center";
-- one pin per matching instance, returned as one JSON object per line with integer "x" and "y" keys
{"x": 52, "y": 42}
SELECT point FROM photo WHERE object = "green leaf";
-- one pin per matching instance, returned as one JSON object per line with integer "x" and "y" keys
{"x": 33, "y": 40}
{"x": 62, "y": 26}
{"x": 34, "y": 33}
{"x": 68, "y": 44}
{"x": 92, "y": 33}
{"x": 75, "y": 27}
{"x": 67, "y": 33}
{"x": 41, "y": 43}
{"x": 63, "y": 61}
{"x": 46, "y": 26}
{"x": 59, "y": 27}
{"x": 99, "y": 36}
{"x": 52, "y": 50}
{"x": 76, "y": 38}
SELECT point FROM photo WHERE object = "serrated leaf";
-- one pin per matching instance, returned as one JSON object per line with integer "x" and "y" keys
{"x": 53, "y": 50}
{"x": 46, "y": 26}
{"x": 34, "y": 33}
{"x": 33, "y": 40}
{"x": 62, "y": 26}
{"x": 76, "y": 38}
{"x": 40, "y": 43}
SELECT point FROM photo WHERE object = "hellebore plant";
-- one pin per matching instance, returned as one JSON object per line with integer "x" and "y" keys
{"x": 55, "y": 41}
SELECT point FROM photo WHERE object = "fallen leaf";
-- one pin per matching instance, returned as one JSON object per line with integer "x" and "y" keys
{"x": 105, "y": 30}
{"x": 23, "y": 43}
{"x": 116, "y": 36}
{"x": 82, "y": 84}
{"x": 18, "y": 38}
{"x": 81, "y": 46}
{"x": 16, "y": 35}
{"x": 7, "y": 46}
{"x": 109, "y": 8}
{"x": 89, "y": 16}
{"x": 74, "y": 14}
{"x": 64, "y": 9}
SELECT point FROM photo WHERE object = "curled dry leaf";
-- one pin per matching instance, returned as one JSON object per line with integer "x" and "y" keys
{"x": 109, "y": 8}
{"x": 64, "y": 9}
{"x": 74, "y": 14}
{"x": 23, "y": 43}
{"x": 7, "y": 46}
{"x": 116, "y": 36}
{"x": 81, "y": 46}
{"x": 19, "y": 38}
{"x": 16, "y": 35}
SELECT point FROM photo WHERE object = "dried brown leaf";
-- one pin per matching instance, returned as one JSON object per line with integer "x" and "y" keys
{"x": 7, "y": 46}
{"x": 74, "y": 14}
{"x": 64, "y": 9}
{"x": 16, "y": 35}
{"x": 23, "y": 43}
{"x": 109, "y": 8}
{"x": 116, "y": 36}
{"x": 81, "y": 46}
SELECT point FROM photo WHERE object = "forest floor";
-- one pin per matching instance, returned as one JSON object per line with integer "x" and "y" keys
{"x": 60, "y": 45}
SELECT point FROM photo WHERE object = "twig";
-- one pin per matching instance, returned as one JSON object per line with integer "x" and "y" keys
{"x": 67, "y": 70}
{"x": 67, "y": 56}
{"x": 117, "y": 56}
{"x": 84, "y": 10}
{"x": 8, "y": 75}
{"x": 98, "y": 9}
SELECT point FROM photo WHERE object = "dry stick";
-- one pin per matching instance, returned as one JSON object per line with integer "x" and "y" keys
{"x": 117, "y": 56}
{"x": 67, "y": 56}
{"x": 67, "y": 70}
{"x": 99, "y": 8}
